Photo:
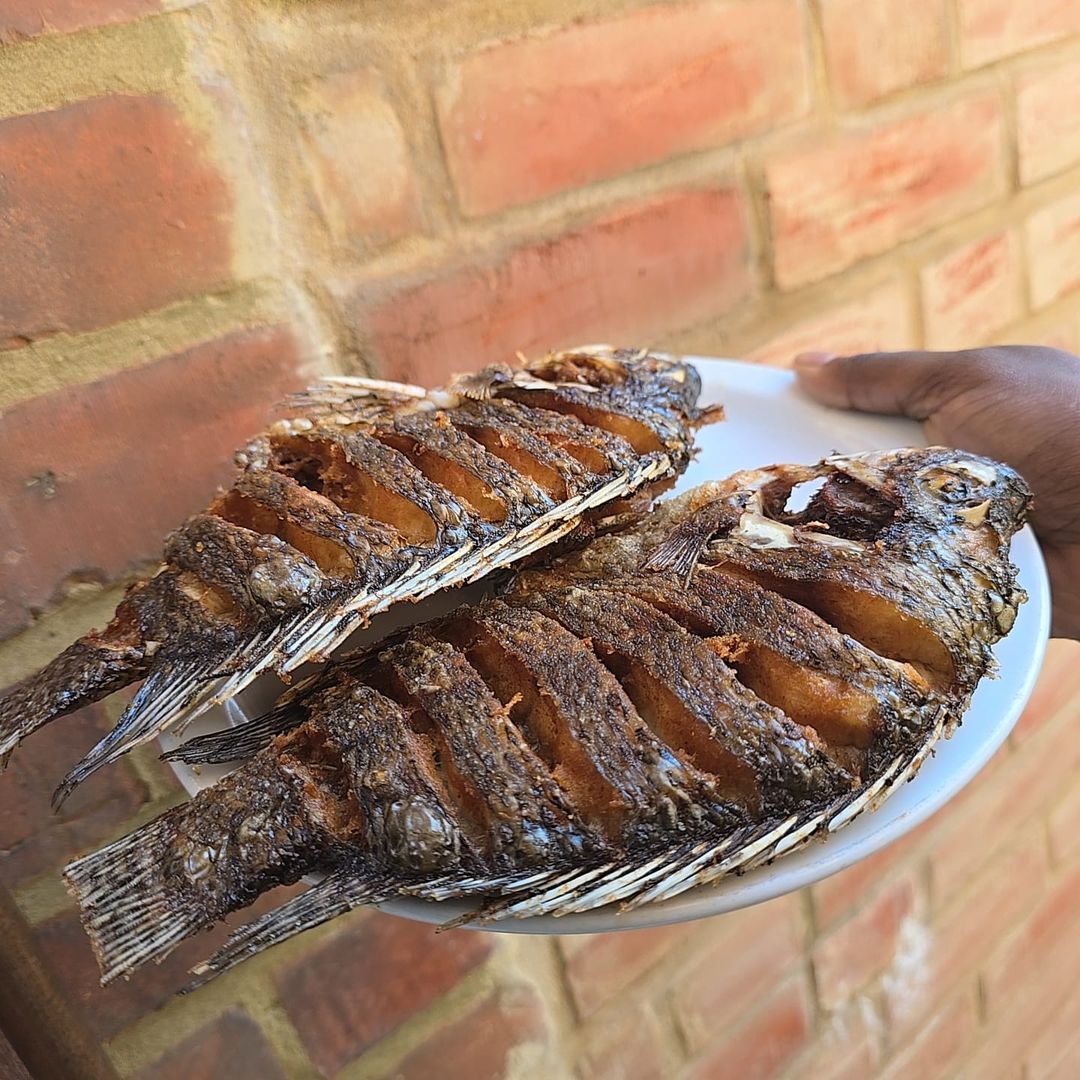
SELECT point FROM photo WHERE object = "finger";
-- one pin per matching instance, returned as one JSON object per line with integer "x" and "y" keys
{"x": 898, "y": 384}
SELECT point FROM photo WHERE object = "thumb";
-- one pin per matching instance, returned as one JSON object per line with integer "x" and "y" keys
{"x": 897, "y": 384}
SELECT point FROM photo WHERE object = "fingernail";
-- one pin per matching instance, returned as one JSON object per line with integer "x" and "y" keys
{"x": 810, "y": 361}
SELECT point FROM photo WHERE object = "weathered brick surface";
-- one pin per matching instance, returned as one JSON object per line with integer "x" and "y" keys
{"x": 991, "y": 29}
{"x": 525, "y": 118}
{"x": 972, "y": 291}
{"x": 847, "y": 1046}
{"x": 229, "y": 1048}
{"x": 1065, "y": 827}
{"x": 626, "y": 1046}
{"x": 941, "y": 1044}
{"x": 840, "y": 198}
{"x": 1050, "y": 931}
{"x": 1057, "y": 1050}
{"x": 1053, "y": 247}
{"x": 873, "y": 48}
{"x": 647, "y": 269}
{"x": 358, "y": 160}
{"x": 879, "y": 320}
{"x": 599, "y": 966}
{"x": 107, "y": 1010}
{"x": 32, "y": 838}
{"x": 93, "y": 477}
{"x": 20, "y": 19}
{"x": 424, "y": 188}
{"x": 479, "y": 1045}
{"x": 852, "y": 954}
{"x": 1048, "y": 119}
{"x": 766, "y": 1042}
{"x": 744, "y": 956}
{"x": 371, "y": 978}
{"x": 108, "y": 208}
{"x": 951, "y": 947}
{"x": 836, "y": 896}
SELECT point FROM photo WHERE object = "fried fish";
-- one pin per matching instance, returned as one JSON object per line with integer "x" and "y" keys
{"x": 687, "y": 697}
{"x": 372, "y": 493}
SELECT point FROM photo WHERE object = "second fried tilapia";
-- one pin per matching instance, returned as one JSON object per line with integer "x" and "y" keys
{"x": 602, "y": 732}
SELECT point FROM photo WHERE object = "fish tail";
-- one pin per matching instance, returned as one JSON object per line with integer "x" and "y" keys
{"x": 83, "y": 673}
{"x": 124, "y": 904}
{"x": 340, "y": 892}
{"x": 151, "y": 711}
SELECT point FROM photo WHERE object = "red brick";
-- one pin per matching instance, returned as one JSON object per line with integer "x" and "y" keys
{"x": 20, "y": 19}
{"x": 874, "y": 47}
{"x": 108, "y": 1010}
{"x": 92, "y": 477}
{"x": 1053, "y": 250}
{"x": 598, "y": 966}
{"x": 32, "y": 838}
{"x": 646, "y": 269}
{"x": 366, "y": 981}
{"x": 1057, "y": 688}
{"x": 1056, "y": 1053}
{"x": 478, "y": 1045}
{"x": 1065, "y": 827}
{"x": 628, "y": 1046}
{"x": 839, "y": 199}
{"x": 1048, "y": 120}
{"x": 972, "y": 291}
{"x": 956, "y": 943}
{"x": 1058, "y": 331}
{"x": 1051, "y": 931}
{"x": 229, "y": 1048}
{"x": 991, "y": 29}
{"x": 108, "y": 208}
{"x": 878, "y": 321}
{"x": 1025, "y": 1007}
{"x": 766, "y": 1042}
{"x": 1017, "y": 789}
{"x": 748, "y": 954}
{"x": 940, "y": 1045}
{"x": 524, "y": 118}
{"x": 865, "y": 945}
{"x": 846, "y": 1047}
{"x": 836, "y": 896}
{"x": 358, "y": 160}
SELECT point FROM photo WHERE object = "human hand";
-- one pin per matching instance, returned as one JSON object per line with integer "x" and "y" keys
{"x": 1018, "y": 404}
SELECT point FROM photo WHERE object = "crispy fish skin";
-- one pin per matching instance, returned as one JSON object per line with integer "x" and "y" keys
{"x": 613, "y": 728}
{"x": 378, "y": 492}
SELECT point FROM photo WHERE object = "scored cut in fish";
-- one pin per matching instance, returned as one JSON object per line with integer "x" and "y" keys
{"x": 375, "y": 493}
{"x": 681, "y": 699}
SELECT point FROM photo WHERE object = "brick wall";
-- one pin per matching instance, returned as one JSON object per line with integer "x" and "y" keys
{"x": 203, "y": 204}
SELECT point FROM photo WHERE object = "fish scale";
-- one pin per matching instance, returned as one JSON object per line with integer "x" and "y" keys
{"x": 335, "y": 516}
{"x": 506, "y": 756}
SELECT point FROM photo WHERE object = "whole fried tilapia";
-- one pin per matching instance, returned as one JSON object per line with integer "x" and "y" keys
{"x": 378, "y": 492}
{"x": 679, "y": 700}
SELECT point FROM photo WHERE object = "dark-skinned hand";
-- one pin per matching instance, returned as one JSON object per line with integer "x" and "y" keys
{"x": 1016, "y": 404}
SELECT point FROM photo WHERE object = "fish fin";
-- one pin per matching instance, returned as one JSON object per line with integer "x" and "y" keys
{"x": 336, "y": 894}
{"x": 663, "y": 875}
{"x": 123, "y": 902}
{"x": 81, "y": 674}
{"x": 338, "y": 392}
{"x": 237, "y": 743}
{"x": 150, "y": 712}
{"x": 681, "y": 549}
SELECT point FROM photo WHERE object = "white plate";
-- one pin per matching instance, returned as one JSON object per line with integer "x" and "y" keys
{"x": 769, "y": 422}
